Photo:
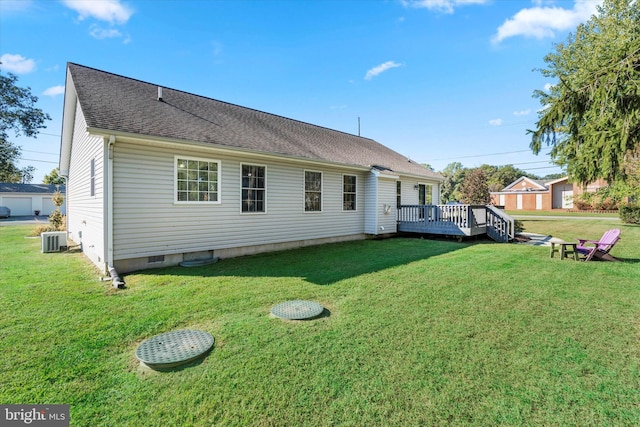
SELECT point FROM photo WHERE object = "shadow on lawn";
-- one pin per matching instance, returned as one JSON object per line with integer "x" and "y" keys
{"x": 323, "y": 264}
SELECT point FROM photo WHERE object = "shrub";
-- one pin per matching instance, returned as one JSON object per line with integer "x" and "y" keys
{"x": 581, "y": 205}
{"x": 56, "y": 219}
{"x": 518, "y": 226}
{"x": 607, "y": 204}
{"x": 630, "y": 214}
{"x": 41, "y": 228}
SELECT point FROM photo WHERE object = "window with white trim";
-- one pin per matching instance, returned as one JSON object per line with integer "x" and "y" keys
{"x": 349, "y": 192}
{"x": 254, "y": 188}
{"x": 197, "y": 180}
{"x": 312, "y": 191}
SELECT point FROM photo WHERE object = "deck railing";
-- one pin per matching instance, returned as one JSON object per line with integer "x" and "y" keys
{"x": 500, "y": 226}
{"x": 456, "y": 220}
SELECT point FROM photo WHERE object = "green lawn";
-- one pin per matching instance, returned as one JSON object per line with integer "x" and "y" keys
{"x": 561, "y": 212}
{"x": 419, "y": 332}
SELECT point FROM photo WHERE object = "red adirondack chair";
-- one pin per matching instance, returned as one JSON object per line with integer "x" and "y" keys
{"x": 599, "y": 249}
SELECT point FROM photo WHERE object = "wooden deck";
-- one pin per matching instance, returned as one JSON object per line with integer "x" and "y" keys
{"x": 456, "y": 220}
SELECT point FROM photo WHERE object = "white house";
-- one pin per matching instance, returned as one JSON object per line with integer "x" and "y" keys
{"x": 25, "y": 199}
{"x": 157, "y": 176}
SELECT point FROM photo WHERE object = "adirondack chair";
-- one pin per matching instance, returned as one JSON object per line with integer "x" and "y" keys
{"x": 599, "y": 249}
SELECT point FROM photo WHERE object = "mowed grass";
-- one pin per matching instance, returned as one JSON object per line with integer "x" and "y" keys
{"x": 417, "y": 332}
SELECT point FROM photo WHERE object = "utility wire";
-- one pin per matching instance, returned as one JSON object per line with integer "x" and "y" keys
{"x": 40, "y": 161}
{"x": 41, "y": 152}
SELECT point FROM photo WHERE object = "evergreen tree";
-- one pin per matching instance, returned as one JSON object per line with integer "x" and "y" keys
{"x": 591, "y": 116}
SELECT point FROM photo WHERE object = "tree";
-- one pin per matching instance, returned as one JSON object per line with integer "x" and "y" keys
{"x": 453, "y": 175}
{"x": 18, "y": 114}
{"x": 591, "y": 116}
{"x": 53, "y": 178}
{"x": 474, "y": 189}
{"x": 551, "y": 176}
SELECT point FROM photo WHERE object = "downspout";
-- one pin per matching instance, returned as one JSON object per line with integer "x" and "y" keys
{"x": 115, "y": 278}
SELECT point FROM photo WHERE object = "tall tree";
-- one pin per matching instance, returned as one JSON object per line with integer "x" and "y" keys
{"x": 18, "y": 114}
{"x": 474, "y": 189}
{"x": 453, "y": 175}
{"x": 591, "y": 116}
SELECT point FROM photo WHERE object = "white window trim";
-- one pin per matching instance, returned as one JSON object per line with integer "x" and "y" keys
{"x": 356, "y": 193}
{"x": 265, "y": 189}
{"x": 304, "y": 191}
{"x": 175, "y": 181}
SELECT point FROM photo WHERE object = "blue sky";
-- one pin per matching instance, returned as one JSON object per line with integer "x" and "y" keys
{"x": 436, "y": 80}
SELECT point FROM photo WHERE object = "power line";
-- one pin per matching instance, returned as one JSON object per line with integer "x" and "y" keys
{"x": 481, "y": 155}
{"x": 41, "y": 152}
{"x": 40, "y": 161}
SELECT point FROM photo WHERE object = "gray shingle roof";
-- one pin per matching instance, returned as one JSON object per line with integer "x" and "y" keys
{"x": 6, "y": 187}
{"x": 115, "y": 103}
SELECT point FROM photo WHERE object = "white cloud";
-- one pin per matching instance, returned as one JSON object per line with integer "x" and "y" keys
{"x": 522, "y": 112}
{"x": 495, "y": 122}
{"x": 543, "y": 22}
{"x": 111, "y": 11}
{"x": 444, "y": 6}
{"x": 17, "y": 63}
{"x": 7, "y": 6}
{"x": 54, "y": 91}
{"x": 548, "y": 87}
{"x": 102, "y": 33}
{"x": 381, "y": 69}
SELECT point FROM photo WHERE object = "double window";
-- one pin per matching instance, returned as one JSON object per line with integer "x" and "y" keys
{"x": 197, "y": 180}
{"x": 349, "y": 192}
{"x": 254, "y": 188}
{"x": 312, "y": 191}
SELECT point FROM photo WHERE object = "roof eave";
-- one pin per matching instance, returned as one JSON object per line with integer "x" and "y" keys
{"x": 68, "y": 120}
{"x": 150, "y": 139}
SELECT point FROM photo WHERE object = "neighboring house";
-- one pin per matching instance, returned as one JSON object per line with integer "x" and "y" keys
{"x": 528, "y": 194}
{"x": 157, "y": 176}
{"x": 24, "y": 199}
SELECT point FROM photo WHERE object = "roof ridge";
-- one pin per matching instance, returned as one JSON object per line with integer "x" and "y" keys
{"x": 222, "y": 102}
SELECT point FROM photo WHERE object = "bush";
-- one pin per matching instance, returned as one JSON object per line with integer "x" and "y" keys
{"x": 42, "y": 228}
{"x": 56, "y": 219}
{"x": 630, "y": 214}
{"x": 607, "y": 204}
{"x": 581, "y": 205}
{"x": 518, "y": 225}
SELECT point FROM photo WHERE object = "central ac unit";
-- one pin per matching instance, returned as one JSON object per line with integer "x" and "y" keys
{"x": 52, "y": 241}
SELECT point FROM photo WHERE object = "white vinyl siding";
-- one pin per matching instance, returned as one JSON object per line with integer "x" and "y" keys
{"x": 86, "y": 215}
{"x": 371, "y": 204}
{"x": 147, "y": 222}
{"x": 387, "y": 216}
